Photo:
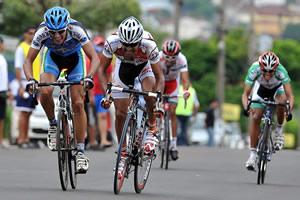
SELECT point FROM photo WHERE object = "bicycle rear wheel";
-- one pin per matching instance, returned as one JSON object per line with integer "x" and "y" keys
{"x": 122, "y": 149}
{"x": 62, "y": 154}
{"x": 167, "y": 139}
{"x": 160, "y": 124}
{"x": 71, "y": 156}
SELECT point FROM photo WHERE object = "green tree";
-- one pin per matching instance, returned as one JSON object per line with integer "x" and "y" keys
{"x": 105, "y": 14}
{"x": 94, "y": 14}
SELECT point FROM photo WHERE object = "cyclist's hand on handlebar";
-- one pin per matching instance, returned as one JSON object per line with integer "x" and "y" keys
{"x": 88, "y": 82}
{"x": 31, "y": 85}
{"x": 105, "y": 103}
{"x": 246, "y": 112}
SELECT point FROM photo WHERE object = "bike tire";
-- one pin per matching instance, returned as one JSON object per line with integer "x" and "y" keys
{"x": 119, "y": 180}
{"x": 160, "y": 125}
{"x": 142, "y": 171}
{"x": 62, "y": 155}
{"x": 142, "y": 167}
{"x": 72, "y": 160}
{"x": 262, "y": 157}
{"x": 167, "y": 139}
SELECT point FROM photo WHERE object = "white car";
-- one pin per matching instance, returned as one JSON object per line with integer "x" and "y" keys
{"x": 38, "y": 123}
{"x": 197, "y": 132}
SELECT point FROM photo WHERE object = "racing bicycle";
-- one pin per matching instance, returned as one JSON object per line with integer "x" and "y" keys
{"x": 130, "y": 144}
{"x": 265, "y": 147}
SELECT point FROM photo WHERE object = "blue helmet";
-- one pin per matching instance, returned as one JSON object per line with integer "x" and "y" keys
{"x": 57, "y": 18}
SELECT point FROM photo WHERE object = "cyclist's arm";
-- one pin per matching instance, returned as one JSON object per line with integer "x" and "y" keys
{"x": 185, "y": 80}
{"x": 289, "y": 94}
{"x": 104, "y": 64}
{"x": 245, "y": 95}
{"x": 32, "y": 54}
{"x": 159, "y": 77}
{"x": 92, "y": 55}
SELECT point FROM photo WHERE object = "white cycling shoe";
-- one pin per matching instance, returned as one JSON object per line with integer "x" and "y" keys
{"x": 251, "y": 163}
{"x": 51, "y": 137}
{"x": 278, "y": 141}
{"x": 150, "y": 143}
{"x": 82, "y": 163}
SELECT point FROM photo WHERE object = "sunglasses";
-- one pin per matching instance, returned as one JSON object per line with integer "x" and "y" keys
{"x": 129, "y": 45}
{"x": 170, "y": 57}
{"x": 268, "y": 71}
{"x": 60, "y": 32}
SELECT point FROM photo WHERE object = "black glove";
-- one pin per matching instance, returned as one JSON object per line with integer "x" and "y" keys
{"x": 246, "y": 112}
{"x": 31, "y": 85}
{"x": 88, "y": 82}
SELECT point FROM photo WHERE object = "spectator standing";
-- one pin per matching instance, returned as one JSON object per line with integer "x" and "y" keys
{"x": 184, "y": 111}
{"x": 102, "y": 114}
{"x": 3, "y": 90}
{"x": 24, "y": 102}
{"x": 210, "y": 121}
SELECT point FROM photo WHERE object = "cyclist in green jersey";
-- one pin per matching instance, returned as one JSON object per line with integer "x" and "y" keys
{"x": 266, "y": 78}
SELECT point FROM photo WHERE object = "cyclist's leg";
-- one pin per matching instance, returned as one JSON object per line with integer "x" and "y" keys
{"x": 148, "y": 84}
{"x": 77, "y": 70}
{"x": 172, "y": 89}
{"x": 254, "y": 129}
{"x": 279, "y": 137}
{"x": 50, "y": 72}
{"x": 256, "y": 114}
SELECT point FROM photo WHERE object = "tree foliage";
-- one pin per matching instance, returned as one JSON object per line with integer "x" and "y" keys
{"x": 105, "y": 14}
{"x": 94, "y": 14}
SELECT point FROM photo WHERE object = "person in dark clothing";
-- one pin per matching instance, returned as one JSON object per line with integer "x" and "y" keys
{"x": 210, "y": 121}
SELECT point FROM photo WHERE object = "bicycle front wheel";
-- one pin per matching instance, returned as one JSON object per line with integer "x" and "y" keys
{"x": 142, "y": 171}
{"x": 62, "y": 154}
{"x": 120, "y": 175}
{"x": 262, "y": 155}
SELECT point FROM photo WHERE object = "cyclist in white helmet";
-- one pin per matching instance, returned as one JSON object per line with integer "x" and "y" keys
{"x": 266, "y": 78}
{"x": 175, "y": 68}
{"x": 137, "y": 56}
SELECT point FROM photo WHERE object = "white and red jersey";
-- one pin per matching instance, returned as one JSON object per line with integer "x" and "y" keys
{"x": 147, "y": 50}
{"x": 173, "y": 72}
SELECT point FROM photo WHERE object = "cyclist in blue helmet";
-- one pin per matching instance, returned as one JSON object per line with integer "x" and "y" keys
{"x": 57, "y": 18}
{"x": 66, "y": 41}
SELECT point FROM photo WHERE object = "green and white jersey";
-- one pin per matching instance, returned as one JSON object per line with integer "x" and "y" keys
{"x": 255, "y": 74}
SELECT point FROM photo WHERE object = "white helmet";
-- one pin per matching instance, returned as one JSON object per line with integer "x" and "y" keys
{"x": 130, "y": 31}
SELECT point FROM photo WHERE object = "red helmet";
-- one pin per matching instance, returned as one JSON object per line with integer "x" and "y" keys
{"x": 99, "y": 40}
{"x": 268, "y": 61}
{"x": 171, "y": 48}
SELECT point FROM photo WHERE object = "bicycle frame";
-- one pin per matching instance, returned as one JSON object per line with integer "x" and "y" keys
{"x": 130, "y": 149}
{"x": 265, "y": 147}
{"x": 65, "y": 137}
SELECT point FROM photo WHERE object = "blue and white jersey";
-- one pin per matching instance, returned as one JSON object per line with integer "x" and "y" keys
{"x": 76, "y": 38}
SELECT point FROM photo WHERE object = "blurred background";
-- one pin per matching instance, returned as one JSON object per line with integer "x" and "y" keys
{"x": 220, "y": 38}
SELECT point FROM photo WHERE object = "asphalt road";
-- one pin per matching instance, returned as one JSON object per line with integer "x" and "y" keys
{"x": 199, "y": 174}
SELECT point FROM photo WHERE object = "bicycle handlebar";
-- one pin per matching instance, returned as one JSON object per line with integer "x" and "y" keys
{"x": 289, "y": 115}
{"x": 111, "y": 87}
{"x": 60, "y": 84}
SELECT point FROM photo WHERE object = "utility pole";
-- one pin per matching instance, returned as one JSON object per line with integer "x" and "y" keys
{"x": 221, "y": 57}
{"x": 251, "y": 36}
{"x": 178, "y": 5}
